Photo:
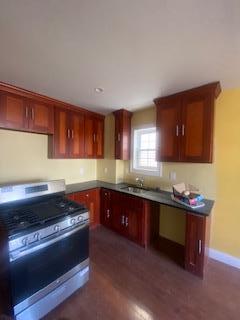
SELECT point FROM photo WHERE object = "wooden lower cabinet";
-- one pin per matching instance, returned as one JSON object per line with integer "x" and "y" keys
{"x": 138, "y": 220}
{"x": 196, "y": 243}
{"x": 91, "y": 199}
{"x": 106, "y": 211}
{"x": 125, "y": 214}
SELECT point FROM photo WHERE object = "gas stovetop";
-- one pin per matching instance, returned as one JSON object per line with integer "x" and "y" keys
{"x": 19, "y": 218}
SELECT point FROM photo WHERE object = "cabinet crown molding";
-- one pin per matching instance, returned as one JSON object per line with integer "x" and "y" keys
{"x": 213, "y": 87}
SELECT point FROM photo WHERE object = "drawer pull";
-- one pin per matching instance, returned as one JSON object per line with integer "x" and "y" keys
{"x": 199, "y": 246}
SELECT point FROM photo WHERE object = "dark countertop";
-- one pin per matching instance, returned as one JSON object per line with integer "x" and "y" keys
{"x": 162, "y": 197}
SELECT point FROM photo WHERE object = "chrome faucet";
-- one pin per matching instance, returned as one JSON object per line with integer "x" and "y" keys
{"x": 140, "y": 181}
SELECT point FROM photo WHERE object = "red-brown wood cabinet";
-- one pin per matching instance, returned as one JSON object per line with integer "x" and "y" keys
{"x": 138, "y": 220}
{"x": 94, "y": 137}
{"x": 125, "y": 214}
{"x": 73, "y": 131}
{"x": 185, "y": 125}
{"x": 91, "y": 199}
{"x": 68, "y": 138}
{"x": 23, "y": 114}
{"x": 122, "y": 134}
{"x": 196, "y": 243}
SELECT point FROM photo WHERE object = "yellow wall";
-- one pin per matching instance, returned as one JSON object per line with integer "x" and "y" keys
{"x": 23, "y": 157}
{"x": 226, "y": 218}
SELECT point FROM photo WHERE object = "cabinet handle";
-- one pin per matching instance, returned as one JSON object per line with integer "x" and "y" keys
{"x": 72, "y": 134}
{"x": 87, "y": 195}
{"x": 94, "y": 137}
{"x": 126, "y": 221}
{"x": 177, "y": 130}
{"x": 199, "y": 246}
{"x": 123, "y": 220}
{"x": 68, "y": 133}
{"x": 108, "y": 213}
{"x": 119, "y": 137}
{"x": 26, "y": 112}
{"x": 32, "y": 113}
{"x": 183, "y": 130}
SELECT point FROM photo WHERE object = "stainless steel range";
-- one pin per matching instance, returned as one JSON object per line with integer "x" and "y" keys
{"x": 44, "y": 248}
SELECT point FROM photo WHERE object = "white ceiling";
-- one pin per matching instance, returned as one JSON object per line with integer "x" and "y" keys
{"x": 136, "y": 50}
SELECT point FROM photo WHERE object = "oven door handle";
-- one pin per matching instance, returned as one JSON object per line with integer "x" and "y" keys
{"x": 20, "y": 254}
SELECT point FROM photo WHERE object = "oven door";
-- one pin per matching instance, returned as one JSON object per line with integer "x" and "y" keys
{"x": 40, "y": 265}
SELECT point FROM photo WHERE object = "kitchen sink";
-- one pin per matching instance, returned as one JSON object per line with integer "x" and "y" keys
{"x": 134, "y": 189}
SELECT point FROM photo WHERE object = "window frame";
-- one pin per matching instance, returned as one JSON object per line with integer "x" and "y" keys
{"x": 144, "y": 171}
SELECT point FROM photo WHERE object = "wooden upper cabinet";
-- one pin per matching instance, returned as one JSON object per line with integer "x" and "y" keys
{"x": 197, "y": 128}
{"x": 76, "y": 135}
{"x": 168, "y": 130}
{"x": 58, "y": 143}
{"x": 19, "y": 113}
{"x": 40, "y": 117}
{"x": 99, "y": 143}
{"x": 122, "y": 134}
{"x": 13, "y": 112}
{"x": 89, "y": 137}
{"x": 94, "y": 137}
{"x": 68, "y": 138}
{"x": 185, "y": 124}
{"x": 73, "y": 131}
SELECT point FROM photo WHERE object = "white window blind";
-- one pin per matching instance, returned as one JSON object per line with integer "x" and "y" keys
{"x": 144, "y": 151}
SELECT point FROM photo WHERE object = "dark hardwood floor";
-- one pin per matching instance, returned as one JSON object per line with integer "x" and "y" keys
{"x": 127, "y": 282}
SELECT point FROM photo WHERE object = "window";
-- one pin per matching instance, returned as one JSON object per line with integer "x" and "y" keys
{"x": 144, "y": 152}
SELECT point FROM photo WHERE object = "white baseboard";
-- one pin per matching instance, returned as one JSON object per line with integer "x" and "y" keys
{"x": 224, "y": 257}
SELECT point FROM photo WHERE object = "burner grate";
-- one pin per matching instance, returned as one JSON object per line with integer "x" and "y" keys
{"x": 20, "y": 219}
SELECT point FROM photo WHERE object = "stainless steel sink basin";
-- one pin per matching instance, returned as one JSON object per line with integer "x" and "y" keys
{"x": 134, "y": 189}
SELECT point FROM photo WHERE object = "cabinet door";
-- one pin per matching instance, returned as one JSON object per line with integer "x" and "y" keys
{"x": 59, "y": 143}
{"x": 195, "y": 243}
{"x": 41, "y": 117}
{"x": 91, "y": 199}
{"x": 168, "y": 129}
{"x": 80, "y": 197}
{"x": 89, "y": 137}
{"x": 197, "y": 128}
{"x": 14, "y": 112}
{"x": 94, "y": 207}
{"x": 134, "y": 219}
{"x": 99, "y": 138}
{"x": 71, "y": 196}
{"x": 76, "y": 135}
{"x": 117, "y": 213}
{"x": 106, "y": 212}
{"x": 118, "y": 137}
{"x": 122, "y": 134}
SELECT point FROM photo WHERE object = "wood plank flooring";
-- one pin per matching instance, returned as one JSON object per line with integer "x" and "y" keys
{"x": 127, "y": 282}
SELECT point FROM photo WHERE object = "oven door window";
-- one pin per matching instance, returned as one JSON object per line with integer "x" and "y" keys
{"x": 35, "y": 271}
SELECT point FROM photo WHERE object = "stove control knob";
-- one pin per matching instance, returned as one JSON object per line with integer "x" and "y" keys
{"x": 72, "y": 222}
{"x": 25, "y": 241}
{"x": 80, "y": 219}
{"x": 57, "y": 228}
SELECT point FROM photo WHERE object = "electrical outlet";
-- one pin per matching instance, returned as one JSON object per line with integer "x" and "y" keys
{"x": 172, "y": 176}
{"x": 105, "y": 170}
{"x": 81, "y": 171}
